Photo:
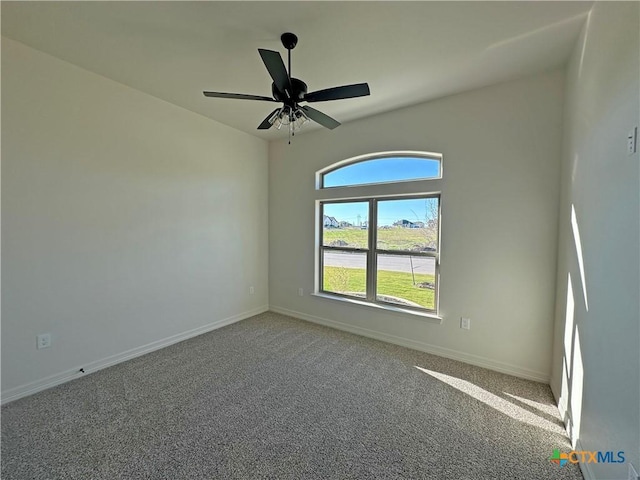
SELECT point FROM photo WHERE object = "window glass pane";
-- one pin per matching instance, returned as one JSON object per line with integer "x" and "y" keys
{"x": 406, "y": 280}
{"x": 344, "y": 272}
{"x": 383, "y": 170}
{"x": 345, "y": 224}
{"x": 409, "y": 225}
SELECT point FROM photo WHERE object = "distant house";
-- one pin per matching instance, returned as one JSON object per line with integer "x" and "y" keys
{"x": 408, "y": 224}
{"x": 329, "y": 222}
{"x": 343, "y": 224}
{"x": 404, "y": 223}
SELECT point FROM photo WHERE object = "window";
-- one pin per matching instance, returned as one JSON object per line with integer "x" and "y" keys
{"x": 382, "y": 169}
{"x": 381, "y": 249}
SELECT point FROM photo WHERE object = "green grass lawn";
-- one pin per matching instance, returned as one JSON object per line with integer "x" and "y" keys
{"x": 394, "y": 284}
{"x": 396, "y": 238}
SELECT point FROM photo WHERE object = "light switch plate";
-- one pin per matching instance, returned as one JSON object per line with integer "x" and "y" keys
{"x": 632, "y": 141}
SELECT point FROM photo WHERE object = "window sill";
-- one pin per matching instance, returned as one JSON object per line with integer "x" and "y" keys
{"x": 428, "y": 317}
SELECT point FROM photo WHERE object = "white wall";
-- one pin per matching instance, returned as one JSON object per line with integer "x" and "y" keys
{"x": 126, "y": 220}
{"x": 500, "y": 194}
{"x": 596, "y": 366}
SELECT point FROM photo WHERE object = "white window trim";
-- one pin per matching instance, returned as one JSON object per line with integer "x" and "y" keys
{"x": 422, "y": 315}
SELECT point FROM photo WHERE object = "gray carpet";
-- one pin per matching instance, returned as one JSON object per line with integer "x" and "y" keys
{"x": 275, "y": 397}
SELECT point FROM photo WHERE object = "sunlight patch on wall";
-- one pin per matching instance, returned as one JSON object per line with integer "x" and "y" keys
{"x": 568, "y": 322}
{"x": 578, "y": 242}
{"x": 583, "y": 47}
{"x": 577, "y": 376}
{"x": 563, "y": 403}
{"x": 574, "y": 168}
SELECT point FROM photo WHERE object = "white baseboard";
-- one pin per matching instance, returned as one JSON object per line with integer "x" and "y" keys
{"x": 421, "y": 346}
{"x": 73, "y": 373}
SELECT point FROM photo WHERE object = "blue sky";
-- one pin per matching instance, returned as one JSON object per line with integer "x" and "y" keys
{"x": 377, "y": 171}
{"x": 390, "y": 169}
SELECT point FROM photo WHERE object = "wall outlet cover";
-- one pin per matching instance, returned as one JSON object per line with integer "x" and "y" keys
{"x": 43, "y": 341}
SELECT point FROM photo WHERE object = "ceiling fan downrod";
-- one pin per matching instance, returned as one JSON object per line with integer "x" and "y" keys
{"x": 289, "y": 41}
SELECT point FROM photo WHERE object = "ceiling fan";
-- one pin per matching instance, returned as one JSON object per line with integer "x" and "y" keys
{"x": 292, "y": 91}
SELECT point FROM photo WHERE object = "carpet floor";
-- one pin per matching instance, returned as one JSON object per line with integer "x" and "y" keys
{"x": 280, "y": 398}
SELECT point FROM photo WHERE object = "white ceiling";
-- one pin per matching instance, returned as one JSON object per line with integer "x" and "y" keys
{"x": 408, "y": 52}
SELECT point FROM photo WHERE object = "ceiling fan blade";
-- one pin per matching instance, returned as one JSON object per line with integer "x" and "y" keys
{"x": 275, "y": 66}
{"x": 338, "y": 93}
{"x": 266, "y": 124}
{"x": 239, "y": 96}
{"x": 321, "y": 118}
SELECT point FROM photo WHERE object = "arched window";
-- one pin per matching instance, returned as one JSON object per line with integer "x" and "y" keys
{"x": 382, "y": 168}
{"x": 381, "y": 248}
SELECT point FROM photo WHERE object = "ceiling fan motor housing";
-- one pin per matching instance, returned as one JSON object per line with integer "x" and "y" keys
{"x": 299, "y": 90}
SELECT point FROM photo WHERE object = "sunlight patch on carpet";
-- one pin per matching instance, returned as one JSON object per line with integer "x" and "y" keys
{"x": 500, "y": 404}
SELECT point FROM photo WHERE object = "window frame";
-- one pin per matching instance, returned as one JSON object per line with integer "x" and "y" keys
{"x": 372, "y": 252}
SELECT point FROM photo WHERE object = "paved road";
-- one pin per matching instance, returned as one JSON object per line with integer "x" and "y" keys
{"x": 385, "y": 262}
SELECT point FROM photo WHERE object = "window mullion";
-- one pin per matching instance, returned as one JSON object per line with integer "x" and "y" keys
{"x": 371, "y": 256}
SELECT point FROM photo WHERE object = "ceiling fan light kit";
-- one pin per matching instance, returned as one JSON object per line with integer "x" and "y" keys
{"x": 286, "y": 116}
{"x": 293, "y": 91}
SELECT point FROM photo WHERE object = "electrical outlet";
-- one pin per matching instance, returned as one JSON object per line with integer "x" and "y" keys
{"x": 633, "y": 474}
{"x": 465, "y": 323}
{"x": 43, "y": 341}
{"x": 251, "y": 290}
{"x": 300, "y": 292}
